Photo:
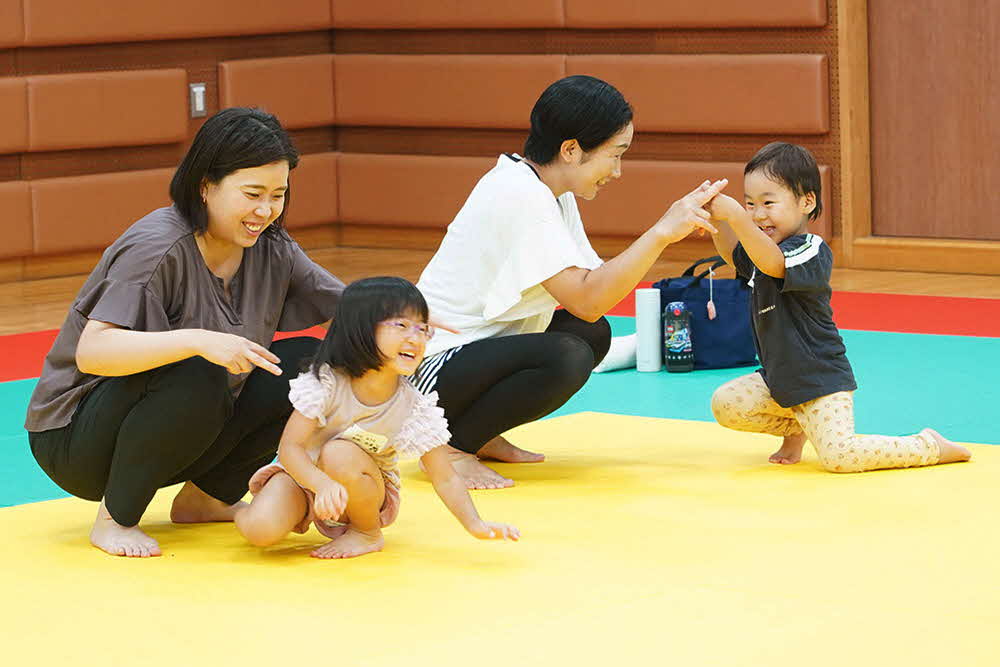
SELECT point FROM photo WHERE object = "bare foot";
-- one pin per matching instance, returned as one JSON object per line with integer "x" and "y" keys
{"x": 950, "y": 452}
{"x": 192, "y": 505}
{"x": 499, "y": 449}
{"x": 791, "y": 450}
{"x": 352, "y": 543}
{"x": 110, "y": 536}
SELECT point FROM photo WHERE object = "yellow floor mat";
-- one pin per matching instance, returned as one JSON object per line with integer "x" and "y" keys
{"x": 670, "y": 542}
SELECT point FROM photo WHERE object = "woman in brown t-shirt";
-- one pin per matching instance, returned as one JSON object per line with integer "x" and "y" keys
{"x": 164, "y": 370}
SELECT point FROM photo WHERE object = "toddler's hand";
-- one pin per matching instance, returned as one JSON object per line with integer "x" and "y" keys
{"x": 330, "y": 501}
{"x": 724, "y": 207}
{"x": 489, "y": 530}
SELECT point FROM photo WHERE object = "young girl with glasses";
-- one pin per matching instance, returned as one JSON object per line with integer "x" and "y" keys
{"x": 355, "y": 414}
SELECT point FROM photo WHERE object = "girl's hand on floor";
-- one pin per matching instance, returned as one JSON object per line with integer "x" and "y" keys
{"x": 330, "y": 501}
{"x": 489, "y": 530}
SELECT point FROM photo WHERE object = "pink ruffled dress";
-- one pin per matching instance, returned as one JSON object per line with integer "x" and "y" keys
{"x": 406, "y": 426}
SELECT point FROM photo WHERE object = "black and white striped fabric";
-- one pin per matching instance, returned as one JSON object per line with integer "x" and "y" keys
{"x": 425, "y": 379}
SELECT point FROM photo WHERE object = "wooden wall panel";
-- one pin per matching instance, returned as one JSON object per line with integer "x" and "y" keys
{"x": 719, "y": 94}
{"x": 108, "y": 109}
{"x": 298, "y": 89}
{"x": 13, "y": 115}
{"x": 447, "y": 14}
{"x": 717, "y": 14}
{"x": 11, "y": 24}
{"x": 88, "y": 212}
{"x": 441, "y": 91}
{"x": 59, "y": 22}
{"x": 15, "y": 201}
{"x": 427, "y": 191}
{"x": 934, "y": 101}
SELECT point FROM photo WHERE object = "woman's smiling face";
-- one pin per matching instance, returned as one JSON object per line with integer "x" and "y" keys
{"x": 602, "y": 165}
{"x": 245, "y": 203}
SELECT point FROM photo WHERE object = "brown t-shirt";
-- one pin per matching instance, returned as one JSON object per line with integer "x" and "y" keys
{"x": 154, "y": 278}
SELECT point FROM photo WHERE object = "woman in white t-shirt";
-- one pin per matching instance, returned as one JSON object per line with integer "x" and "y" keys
{"x": 515, "y": 251}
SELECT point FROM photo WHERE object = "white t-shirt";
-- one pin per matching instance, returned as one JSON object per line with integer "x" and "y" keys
{"x": 511, "y": 234}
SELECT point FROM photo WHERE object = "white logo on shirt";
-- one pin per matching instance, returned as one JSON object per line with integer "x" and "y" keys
{"x": 765, "y": 310}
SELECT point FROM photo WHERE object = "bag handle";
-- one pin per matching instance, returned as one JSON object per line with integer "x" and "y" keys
{"x": 718, "y": 263}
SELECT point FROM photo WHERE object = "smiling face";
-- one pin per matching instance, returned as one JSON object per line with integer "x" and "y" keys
{"x": 401, "y": 341}
{"x": 595, "y": 169}
{"x": 245, "y": 203}
{"x": 774, "y": 207}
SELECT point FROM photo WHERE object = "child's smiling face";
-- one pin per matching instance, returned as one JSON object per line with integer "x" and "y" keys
{"x": 401, "y": 341}
{"x": 774, "y": 208}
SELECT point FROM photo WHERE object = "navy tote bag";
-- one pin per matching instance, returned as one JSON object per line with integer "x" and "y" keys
{"x": 727, "y": 340}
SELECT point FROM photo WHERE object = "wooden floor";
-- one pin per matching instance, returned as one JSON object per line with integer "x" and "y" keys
{"x": 41, "y": 304}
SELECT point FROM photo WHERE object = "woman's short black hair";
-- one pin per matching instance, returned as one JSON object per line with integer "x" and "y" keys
{"x": 793, "y": 166}
{"x": 233, "y": 139}
{"x": 350, "y": 342}
{"x": 578, "y": 107}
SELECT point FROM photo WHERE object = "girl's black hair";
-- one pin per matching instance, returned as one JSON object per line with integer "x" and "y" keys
{"x": 578, "y": 107}
{"x": 350, "y": 342}
{"x": 793, "y": 166}
{"x": 233, "y": 139}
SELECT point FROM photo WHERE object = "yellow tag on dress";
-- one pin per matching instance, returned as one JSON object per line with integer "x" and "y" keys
{"x": 371, "y": 442}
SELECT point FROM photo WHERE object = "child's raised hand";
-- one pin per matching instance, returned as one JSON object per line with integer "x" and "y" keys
{"x": 490, "y": 530}
{"x": 330, "y": 501}
{"x": 724, "y": 207}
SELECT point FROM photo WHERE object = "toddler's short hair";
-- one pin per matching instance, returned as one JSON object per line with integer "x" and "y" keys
{"x": 793, "y": 166}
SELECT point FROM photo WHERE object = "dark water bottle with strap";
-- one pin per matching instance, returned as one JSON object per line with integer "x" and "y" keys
{"x": 678, "y": 351}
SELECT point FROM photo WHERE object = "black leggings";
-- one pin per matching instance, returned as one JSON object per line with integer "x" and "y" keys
{"x": 134, "y": 434}
{"x": 495, "y": 384}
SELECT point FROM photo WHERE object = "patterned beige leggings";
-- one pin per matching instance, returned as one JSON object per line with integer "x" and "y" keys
{"x": 745, "y": 404}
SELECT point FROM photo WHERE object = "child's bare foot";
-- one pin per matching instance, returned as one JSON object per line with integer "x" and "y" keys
{"x": 791, "y": 450}
{"x": 474, "y": 473}
{"x": 352, "y": 543}
{"x": 192, "y": 505}
{"x": 499, "y": 449}
{"x": 110, "y": 536}
{"x": 950, "y": 452}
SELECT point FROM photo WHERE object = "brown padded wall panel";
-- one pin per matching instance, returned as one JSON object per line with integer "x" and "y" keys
{"x": 313, "y": 191}
{"x": 89, "y": 212}
{"x": 298, "y": 90}
{"x": 406, "y": 190}
{"x": 630, "y": 205}
{"x": 13, "y": 115}
{"x": 441, "y": 91}
{"x": 99, "y": 109}
{"x": 447, "y": 14}
{"x": 719, "y": 94}
{"x": 58, "y": 22}
{"x": 717, "y": 14}
{"x": 11, "y": 24}
{"x": 15, "y": 201}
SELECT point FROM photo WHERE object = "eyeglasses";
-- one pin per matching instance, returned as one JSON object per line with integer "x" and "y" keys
{"x": 404, "y": 328}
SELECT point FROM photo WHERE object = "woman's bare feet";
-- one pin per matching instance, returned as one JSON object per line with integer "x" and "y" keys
{"x": 499, "y": 449}
{"x": 352, "y": 543}
{"x": 118, "y": 540}
{"x": 791, "y": 450}
{"x": 192, "y": 505}
{"x": 950, "y": 452}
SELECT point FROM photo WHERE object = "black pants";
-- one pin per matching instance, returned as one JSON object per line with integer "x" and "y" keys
{"x": 134, "y": 434}
{"x": 495, "y": 384}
